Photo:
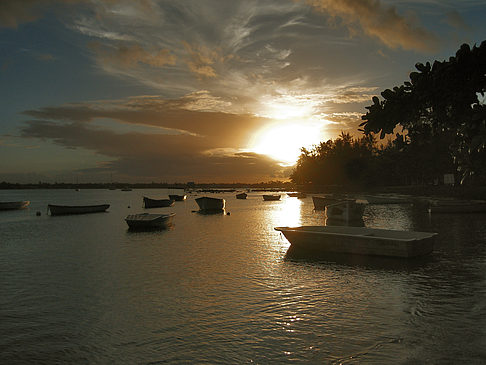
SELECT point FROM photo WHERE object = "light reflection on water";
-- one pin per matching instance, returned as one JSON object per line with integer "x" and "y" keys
{"x": 227, "y": 289}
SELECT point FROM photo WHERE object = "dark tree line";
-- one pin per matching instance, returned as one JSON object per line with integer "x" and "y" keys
{"x": 439, "y": 122}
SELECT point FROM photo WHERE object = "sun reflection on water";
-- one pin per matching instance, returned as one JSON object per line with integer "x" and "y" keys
{"x": 288, "y": 213}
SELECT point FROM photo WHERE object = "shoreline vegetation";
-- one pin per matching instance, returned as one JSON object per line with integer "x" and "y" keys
{"x": 430, "y": 190}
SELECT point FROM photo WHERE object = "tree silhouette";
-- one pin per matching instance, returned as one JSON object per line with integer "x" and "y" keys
{"x": 441, "y": 105}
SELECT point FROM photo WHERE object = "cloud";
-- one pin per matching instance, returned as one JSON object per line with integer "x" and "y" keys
{"x": 454, "y": 19}
{"x": 192, "y": 144}
{"x": 380, "y": 21}
{"x": 127, "y": 56}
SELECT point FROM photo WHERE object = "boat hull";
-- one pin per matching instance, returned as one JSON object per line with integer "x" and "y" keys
{"x": 360, "y": 240}
{"x": 345, "y": 211}
{"x": 321, "y": 202}
{"x": 14, "y": 205}
{"x": 157, "y": 203}
{"x": 177, "y": 198}
{"x": 149, "y": 221}
{"x": 271, "y": 197}
{"x": 458, "y": 207}
{"x": 241, "y": 196}
{"x": 207, "y": 204}
{"x": 76, "y": 209}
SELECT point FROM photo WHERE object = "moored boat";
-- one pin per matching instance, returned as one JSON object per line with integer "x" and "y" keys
{"x": 177, "y": 198}
{"x": 299, "y": 195}
{"x": 208, "y": 204}
{"x": 157, "y": 203}
{"x": 14, "y": 205}
{"x": 457, "y": 206}
{"x": 241, "y": 196}
{"x": 76, "y": 209}
{"x": 268, "y": 197}
{"x": 345, "y": 211}
{"x": 386, "y": 199}
{"x": 360, "y": 240}
{"x": 320, "y": 202}
{"x": 148, "y": 221}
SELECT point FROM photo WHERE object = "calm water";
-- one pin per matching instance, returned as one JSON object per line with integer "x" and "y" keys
{"x": 225, "y": 289}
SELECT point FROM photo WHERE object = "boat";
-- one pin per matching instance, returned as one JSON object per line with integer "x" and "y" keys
{"x": 320, "y": 202}
{"x": 271, "y": 197}
{"x": 457, "y": 206}
{"x": 297, "y": 195}
{"x": 148, "y": 221}
{"x": 157, "y": 203}
{"x": 386, "y": 199}
{"x": 241, "y": 196}
{"x": 126, "y": 189}
{"x": 345, "y": 211}
{"x": 14, "y": 205}
{"x": 76, "y": 209}
{"x": 177, "y": 198}
{"x": 360, "y": 240}
{"x": 207, "y": 204}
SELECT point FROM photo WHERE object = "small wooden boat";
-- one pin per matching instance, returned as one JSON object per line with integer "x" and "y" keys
{"x": 207, "y": 204}
{"x": 148, "y": 221}
{"x": 345, "y": 211}
{"x": 360, "y": 240}
{"x": 271, "y": 197}
{"x": 157, "y": 203}
{"x": 177, "y": 198}
{"x": 457, "y": 206}
{"x": 241, "y": 196}
{"x": 14, "y": 205}
{"x": 320, "y": 202}
{"x": 76, "y": 209}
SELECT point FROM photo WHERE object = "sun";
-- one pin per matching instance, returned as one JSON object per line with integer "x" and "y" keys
{"x": 283, "y": 140}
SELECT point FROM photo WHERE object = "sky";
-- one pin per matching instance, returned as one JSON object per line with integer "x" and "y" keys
{"x": 202, "y": 90}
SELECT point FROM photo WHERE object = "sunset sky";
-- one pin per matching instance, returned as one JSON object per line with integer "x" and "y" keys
{"x": 200, "y": 90}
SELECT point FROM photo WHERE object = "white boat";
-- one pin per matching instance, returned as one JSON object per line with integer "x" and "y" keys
{"x": 386, "y": 199}
{"x": 76, "y": 209}
{"x": 345, "y": 211}
{"x": 271, "y": 197}
{"x": 14, "y": 205}
{"x": 208, "y": 204}
{"x": 360, "y": 240}
{"x": 320, "y": 202}
{"x": 147, "y": 220}
{"x": 457, "y": 206}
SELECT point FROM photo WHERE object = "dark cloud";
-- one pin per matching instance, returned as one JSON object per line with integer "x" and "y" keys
{"x": 206, "y": 145}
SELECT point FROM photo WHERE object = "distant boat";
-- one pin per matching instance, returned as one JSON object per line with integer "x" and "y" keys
{"x": 241, "y": 196}
{"x": 207, "y": 204}
{"x": 177, "y": 198}
{"x": 386, "y": 199}
{"x": 147, "y": 221}
{"x": 297, "y": 195}
{"x": 271, "y": 197}
{"x": 360, "y": 240}
{"x": 320, "y": 202}
{"x": 14, "y": 205}
{"x": 457, "y": 206}
{"x": 157, "y": 203}
{"x": 345, "y": 211}
{"x": 126, "y": 189}
{"x": 76, "y": 209}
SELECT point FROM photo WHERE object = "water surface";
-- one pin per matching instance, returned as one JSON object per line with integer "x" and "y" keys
{"x": 227, "y": 289}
